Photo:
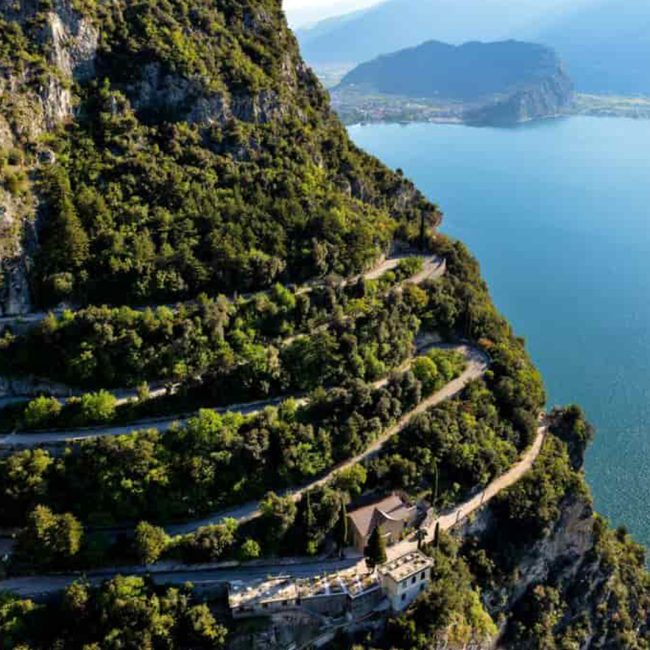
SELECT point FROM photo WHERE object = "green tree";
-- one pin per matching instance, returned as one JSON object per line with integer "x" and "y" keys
{"x": 341, "y": 531}
{"x": 278, "y": 515}
{"x": 198, "y": 629}
{"x": 24, "y": 482}
{"x": 375, "y": 551}
{"x": 426, "y": 370}
{"x": 98, "y": 407}
{"x": 150, "y": 542}
{"x": 41, "y": 411}
{"x": 249, "y": 550}
{"x": 210, "y": 543}
{"x": 48, "y": 538}
{"x": 351, "y": 480}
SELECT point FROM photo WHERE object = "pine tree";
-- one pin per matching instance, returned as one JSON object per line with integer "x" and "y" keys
{"x": 375, "y": 551}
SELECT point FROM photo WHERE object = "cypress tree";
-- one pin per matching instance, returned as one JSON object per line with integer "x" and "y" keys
{"x": 436, "y": 535}
{"x": 341, "y": 532}
{"x": 375, "y": 551}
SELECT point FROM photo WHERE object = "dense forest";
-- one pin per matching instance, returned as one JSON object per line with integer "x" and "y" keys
{"x": 203, "y": 157}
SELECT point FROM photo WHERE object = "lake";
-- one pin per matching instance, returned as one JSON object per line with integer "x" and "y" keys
{"x": 558, "y": 214}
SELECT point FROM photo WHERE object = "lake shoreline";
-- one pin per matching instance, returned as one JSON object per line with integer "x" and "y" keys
{"x": 372, "y": 110}
{"x": 556, "y": 212}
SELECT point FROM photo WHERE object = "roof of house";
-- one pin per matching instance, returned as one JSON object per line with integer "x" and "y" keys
{"x": 391, "y": 508}
{"x": 241, "y": 594}
{"x": 405, "y": 566}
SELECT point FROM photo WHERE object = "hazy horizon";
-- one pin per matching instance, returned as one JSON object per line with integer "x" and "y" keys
{"x": 303, "y": 13}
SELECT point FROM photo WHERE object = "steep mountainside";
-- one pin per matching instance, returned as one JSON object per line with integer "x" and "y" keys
{"x": 396, "y": 24}
{"x": 156, "y": 149}
{"x": 509, "y": 81}
{"x": 180, "y": 149}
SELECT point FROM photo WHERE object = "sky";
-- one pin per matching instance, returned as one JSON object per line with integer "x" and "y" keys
{"x": 304, "y": 12}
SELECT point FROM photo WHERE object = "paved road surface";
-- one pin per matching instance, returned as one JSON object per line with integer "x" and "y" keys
{"x": 42, "y": 586}
{"x": 477, "y": 364}
{"x": 433, "y": 268}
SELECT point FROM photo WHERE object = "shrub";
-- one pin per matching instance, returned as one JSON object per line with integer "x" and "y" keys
{"x": 41, "y": 411}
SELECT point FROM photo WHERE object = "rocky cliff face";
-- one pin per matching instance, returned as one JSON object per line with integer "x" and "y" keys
{"x": 35, "y": 99}
{"x": 579, "y": 585}
{"x": 558, "y": 556}
{"x": 550, "y": 97}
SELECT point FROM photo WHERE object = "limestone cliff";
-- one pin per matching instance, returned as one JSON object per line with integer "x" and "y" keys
{"x": 35, "y": 100}
{"x": 550, "y": 97}
{"x": 226, "y": 167}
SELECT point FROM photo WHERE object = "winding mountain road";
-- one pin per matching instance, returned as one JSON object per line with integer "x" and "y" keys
{"x": 477, "y": 364}
{"x": 14, "y": 390}
{"x": 205, "y": 576}
{"x": 432, "y": 269}
{"x": 432, "y": 265}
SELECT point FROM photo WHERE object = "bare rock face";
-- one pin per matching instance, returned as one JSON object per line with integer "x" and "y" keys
{"x": 71, "y": 42}
{"x": 550, "y": 97}
{"x": 562, "y": 551}
{"x": 560, "y": 554}
{"x": 183, "y": 99}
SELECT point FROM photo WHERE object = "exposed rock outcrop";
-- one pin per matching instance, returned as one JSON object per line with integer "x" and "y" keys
{"x": 70, "y": 45}
{"x": 181, "y": 99}
{"x": 551, "y": 97}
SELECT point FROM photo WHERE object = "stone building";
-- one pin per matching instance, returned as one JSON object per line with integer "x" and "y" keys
{"x": 347, "y": 595}
{"x": 332, "y": 596}
{"x": 405, "y": 578}
{"x": 392, "y": 515}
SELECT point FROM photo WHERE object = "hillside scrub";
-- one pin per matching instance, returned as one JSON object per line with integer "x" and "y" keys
{"x": 203, "y": 157}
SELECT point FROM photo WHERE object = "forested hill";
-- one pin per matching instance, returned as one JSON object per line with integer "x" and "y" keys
{"x": 155, "y": 149}
{"x": 466, "y": 73}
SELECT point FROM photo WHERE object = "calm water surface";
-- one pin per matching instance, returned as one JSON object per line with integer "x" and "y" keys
{"x": 558, "y": 213}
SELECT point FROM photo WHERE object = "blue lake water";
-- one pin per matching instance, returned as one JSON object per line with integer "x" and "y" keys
{"x": 558, "y": 213}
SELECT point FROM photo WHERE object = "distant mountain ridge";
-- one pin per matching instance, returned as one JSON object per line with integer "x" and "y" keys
{"x": 467, "y": 72}
{"x": 396, "y": 24}
{"x": 503, "y": 82}
{"x": 604, "y": 43}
